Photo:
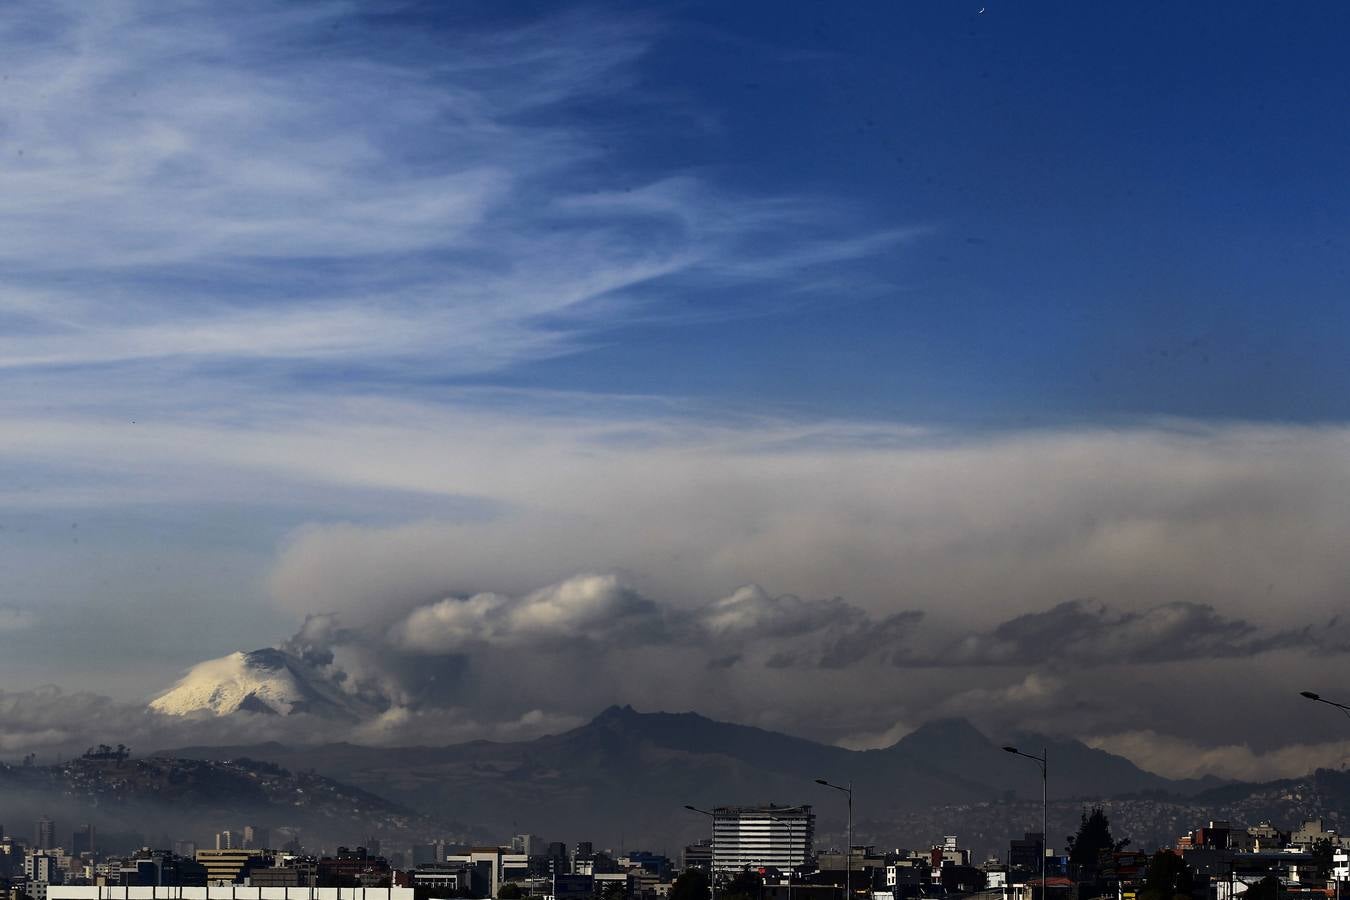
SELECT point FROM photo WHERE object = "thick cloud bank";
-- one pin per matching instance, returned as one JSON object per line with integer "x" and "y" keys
{"x": 1058, "y": 579}
{"x": 836, "y": 580}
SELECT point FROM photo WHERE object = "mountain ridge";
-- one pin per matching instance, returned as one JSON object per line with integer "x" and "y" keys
{"x": 640, "y": 767}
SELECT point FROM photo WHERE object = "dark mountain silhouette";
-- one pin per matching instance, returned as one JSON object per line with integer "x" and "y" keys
{"x": 632, "y": 771}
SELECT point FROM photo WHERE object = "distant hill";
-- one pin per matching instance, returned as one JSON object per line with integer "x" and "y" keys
{"x": 632, "y": 771}
{"x": 1150, "y": 819}
{"x": 193, "y": 798}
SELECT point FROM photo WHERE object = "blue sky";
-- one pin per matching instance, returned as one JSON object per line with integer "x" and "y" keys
{"x": 898, "y": 327}
{"x": 909, "y": 212}
{"x": 1125, "y": 211}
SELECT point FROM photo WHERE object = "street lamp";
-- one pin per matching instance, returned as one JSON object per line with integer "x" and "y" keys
{"x": 1045, "y": 832}
{"x": 848, "y": 851}
{"x": 1320, "y": 699}
{"x": 712, "y": 863}
{"x": 791, "y": 867}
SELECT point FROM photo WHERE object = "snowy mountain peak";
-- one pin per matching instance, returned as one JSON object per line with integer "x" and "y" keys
{"x": 268, "y": 681}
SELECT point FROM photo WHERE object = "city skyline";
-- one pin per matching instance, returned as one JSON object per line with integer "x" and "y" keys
{"x": 831, "y": 373}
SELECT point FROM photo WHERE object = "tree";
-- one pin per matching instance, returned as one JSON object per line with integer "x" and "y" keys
{"x": 1267, "y": 888}
{"x": 613, "y": 890}
{"x": 509, "y": 891}
{"x": 1322, "y": 852}
{"x": 1168, "y": 877}
{"x": 692, "y": 884}
{"x": 745, "y": 886}
{"x": 1092, "y": 840}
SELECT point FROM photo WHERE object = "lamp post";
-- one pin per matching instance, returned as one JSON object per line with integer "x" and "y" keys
{"x": 1045, "y": 832}
{"x": 712, "y": 863}
{"x": 791, "y": 867}
{"x": 848, "y": 851}
{"x": 1318, "y": 698}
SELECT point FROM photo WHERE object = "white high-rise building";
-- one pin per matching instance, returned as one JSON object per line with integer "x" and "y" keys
{"x": 753, "y": 836}
{"x": 42, "y": 866}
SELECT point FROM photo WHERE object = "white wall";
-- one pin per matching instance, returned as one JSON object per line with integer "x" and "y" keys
{"x": 224, "y": 892}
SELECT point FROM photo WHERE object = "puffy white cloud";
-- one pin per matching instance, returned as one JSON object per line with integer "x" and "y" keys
{"x": 751, "y": 611}
{"x": 584, "y": 607}
{"x": 453, "y": 624}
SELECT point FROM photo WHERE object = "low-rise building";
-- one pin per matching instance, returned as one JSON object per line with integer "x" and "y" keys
{"x": 442, "y": 878}
{"x": 491, "y": 866}
{"x": 227, "y": 892}
{"x": 276, "y": 876}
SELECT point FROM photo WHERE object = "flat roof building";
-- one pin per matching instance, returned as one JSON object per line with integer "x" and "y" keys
{"x": 225, "y": 892}
{"x": 750, "y": 837}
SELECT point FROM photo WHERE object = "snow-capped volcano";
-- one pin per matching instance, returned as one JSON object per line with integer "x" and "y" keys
{"x": 268, "y": 681}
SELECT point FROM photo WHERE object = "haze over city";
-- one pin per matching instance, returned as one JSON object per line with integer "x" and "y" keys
{"x": 828, "y": 371}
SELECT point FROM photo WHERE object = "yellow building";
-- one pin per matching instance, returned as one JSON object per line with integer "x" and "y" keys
{"x": 228, "y": 866}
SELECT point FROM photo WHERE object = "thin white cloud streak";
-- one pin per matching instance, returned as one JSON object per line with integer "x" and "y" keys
{"x": 1180, "y": 758}
{"x": 241, "y": 184}
{"x": 875, "y": 740}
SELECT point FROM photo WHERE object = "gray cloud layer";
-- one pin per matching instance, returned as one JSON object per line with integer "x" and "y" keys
{"x": 599, "y": 614}
{"x": 1092, "y": 634}
{"x": 910, "y": 573}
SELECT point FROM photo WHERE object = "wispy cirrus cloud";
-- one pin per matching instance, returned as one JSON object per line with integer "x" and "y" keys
{"x": 248, "y": 185}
